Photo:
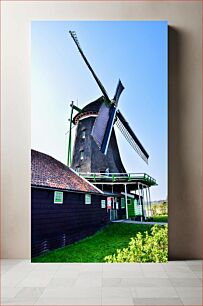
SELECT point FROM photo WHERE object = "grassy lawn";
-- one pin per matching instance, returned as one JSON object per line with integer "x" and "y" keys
{"x": 161, "y": 218}
{"x": 93, "y": 249}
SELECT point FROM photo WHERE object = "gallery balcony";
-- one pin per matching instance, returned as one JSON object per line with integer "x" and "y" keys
{"x": 119, "y": 178}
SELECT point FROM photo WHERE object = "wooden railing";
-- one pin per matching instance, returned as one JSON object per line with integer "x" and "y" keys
{"x": 113, "y": 177}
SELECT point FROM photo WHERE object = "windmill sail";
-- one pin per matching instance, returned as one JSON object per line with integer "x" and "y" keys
{"x": 102, "y": 128}
{"x": 74, "y": 37}
{"x": 103, "y": 125}
{"x": 107, "y": 135}
{"x": 118, "y": 92}
{"x": 131, "y": 137}
{"x": 100, "y": 124}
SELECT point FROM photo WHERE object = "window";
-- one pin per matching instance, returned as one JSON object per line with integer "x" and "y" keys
{"x": 129, "y": 202}
{"x": 87, "y": 198}
{"x": 81, "y": 154}
{"x": 103, "y": 204}
{"x": 77, "y": 169}
{"x": 122, "y": 203}
{"x": 83, "y": 134}
{"x": 58, "y": 197}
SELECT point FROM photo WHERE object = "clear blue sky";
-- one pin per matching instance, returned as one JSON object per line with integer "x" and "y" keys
{"x": 135, "y": 52}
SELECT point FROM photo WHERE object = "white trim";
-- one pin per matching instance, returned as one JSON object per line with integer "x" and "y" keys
{"x": 115, "y": 183}
{"x": 143, "y": 201}
{"x": 87, "y": 116}
{"x": 55, "y": 196}
{"x": 126, "y": 202}
{"x": 128, "y": 194}
{"x": 88, "y": 199}
{"x": 150, "y": 203}
{"x": 140, "y": 204}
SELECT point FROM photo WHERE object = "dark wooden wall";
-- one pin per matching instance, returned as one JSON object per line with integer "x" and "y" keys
{"x": 94, "y": 160}
{"x": 56, "y": 225}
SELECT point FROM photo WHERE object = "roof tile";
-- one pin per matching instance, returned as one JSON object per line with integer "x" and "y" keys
{"x": 49, "y": 172}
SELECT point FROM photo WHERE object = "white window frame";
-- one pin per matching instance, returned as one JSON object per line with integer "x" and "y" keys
{"x": 103, "y": 203}
{"x": 81, "y": 154}
{"x": 129, "y": 202}
{"x": 55, "y": 196}
{"x": 88, "y": 199}
{"x": 83, "y": 134}
{"x": 123, "y": 201}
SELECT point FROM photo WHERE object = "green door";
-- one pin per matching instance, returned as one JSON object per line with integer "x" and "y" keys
{"x": 131, "y": 207}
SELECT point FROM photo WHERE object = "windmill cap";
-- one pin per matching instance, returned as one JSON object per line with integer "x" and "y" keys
{"x": 90, "y": 108}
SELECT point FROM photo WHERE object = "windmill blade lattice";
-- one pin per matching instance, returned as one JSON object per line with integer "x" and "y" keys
{"x": 132, "y": 139}
{"x": 74, "y": 37}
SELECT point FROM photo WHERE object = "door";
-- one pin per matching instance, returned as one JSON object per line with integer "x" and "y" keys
{"x": 131, "y": 207}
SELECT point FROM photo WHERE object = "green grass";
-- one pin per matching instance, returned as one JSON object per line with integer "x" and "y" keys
{"x": 93, "y": 249}
{"x": 161, "y": 218}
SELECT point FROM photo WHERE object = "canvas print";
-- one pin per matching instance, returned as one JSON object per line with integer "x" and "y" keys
{"x": 99, "y": 141}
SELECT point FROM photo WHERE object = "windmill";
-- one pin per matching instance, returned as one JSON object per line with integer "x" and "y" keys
{"x": 95, "y": 148}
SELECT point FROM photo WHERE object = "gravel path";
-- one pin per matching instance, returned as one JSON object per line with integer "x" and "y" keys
{"x": 139, "y": 222}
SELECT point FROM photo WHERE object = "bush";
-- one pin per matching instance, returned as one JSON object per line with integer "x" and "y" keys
{"x": 160, "y": 209}
{"x": 147, "y": 247}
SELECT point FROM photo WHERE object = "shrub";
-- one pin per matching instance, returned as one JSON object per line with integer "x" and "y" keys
{"x": 147, "y": 247}
{"x": 160, "y": 209}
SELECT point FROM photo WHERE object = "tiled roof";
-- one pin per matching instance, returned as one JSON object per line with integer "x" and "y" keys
{"x": 49, "y": 172}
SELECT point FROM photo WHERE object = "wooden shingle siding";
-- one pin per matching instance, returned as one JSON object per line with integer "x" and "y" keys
{"x": 57, "y": 225}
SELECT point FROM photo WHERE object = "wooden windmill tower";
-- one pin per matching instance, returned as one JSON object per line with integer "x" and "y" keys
{"x": 95, "y": 148}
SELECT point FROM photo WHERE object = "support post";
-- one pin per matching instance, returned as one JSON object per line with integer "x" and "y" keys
{"x": 147, "y": 198}
{"x": 150, "y": 203}
{"x": 143, "y": 202}
{"x": 140, "y": 203}
{"x": 134, "y": 203}
{"x": 126, "y": 201}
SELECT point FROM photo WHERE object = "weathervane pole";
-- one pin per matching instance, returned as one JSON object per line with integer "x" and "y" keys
{"x": 69, "y": 159}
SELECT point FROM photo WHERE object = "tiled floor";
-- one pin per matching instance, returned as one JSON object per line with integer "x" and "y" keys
{"x": 173, "y": 283}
